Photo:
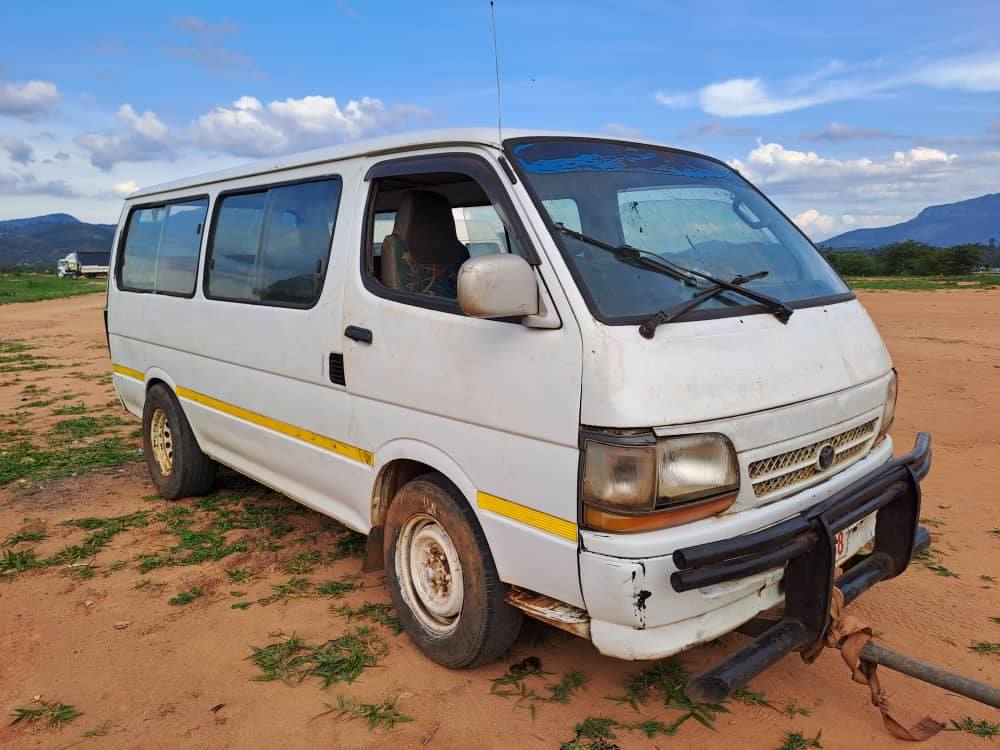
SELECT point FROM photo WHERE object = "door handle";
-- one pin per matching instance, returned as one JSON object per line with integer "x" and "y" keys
{"x": 356, "y": 333}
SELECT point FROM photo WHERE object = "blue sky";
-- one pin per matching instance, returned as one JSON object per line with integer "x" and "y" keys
{"x": 849, "y": 114}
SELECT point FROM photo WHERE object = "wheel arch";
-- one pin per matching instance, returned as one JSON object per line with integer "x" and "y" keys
{"x": 400, "y": 461}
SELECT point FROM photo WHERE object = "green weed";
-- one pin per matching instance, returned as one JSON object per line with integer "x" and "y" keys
{"x": 336, "y": 589}
{"x": 66, "y": 411}
{"x": 304, "y": 561}
{"x": 342, "y": 659}
{"x": 383, "y": 714}
{"x": 798, "y": 741}
{"x": 24, "y": 460}
{"x": 185, "y": 597}
{"x": 667, "y": 681}
{"x": 985, "y": 647}
{"x": 380, "y": 614}
{"x": 294, "y": 588}
{"x": 52, "y": 714}
{"x": 32, "y": 287}
{"x": 348, "y": 544}
{"x": 240, "y": 605}
{"x": 982, "y": 728}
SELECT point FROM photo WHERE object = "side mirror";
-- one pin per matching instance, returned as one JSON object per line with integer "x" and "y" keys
{"x": 502, "y": 285}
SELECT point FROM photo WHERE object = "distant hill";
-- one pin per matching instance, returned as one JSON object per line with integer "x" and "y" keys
{"x": 971, "y": 221}
{"x": 40, "y": 241}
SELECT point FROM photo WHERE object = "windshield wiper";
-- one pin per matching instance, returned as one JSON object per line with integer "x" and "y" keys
{"x": 633, "y": 256}
{"x": 645, "y": 259}
{"x": 648, "y": 329}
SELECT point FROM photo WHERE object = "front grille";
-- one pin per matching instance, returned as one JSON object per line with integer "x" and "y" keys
{"x": 776, "y": 473}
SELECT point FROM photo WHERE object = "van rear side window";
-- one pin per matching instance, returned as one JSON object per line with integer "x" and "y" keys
{"x": 162, "y": 247}
{"x": 271, "y": 246}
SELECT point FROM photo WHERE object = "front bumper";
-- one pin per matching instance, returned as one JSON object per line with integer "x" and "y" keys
{"x": 804, "y": 545}
{"x": 650, "y": 607}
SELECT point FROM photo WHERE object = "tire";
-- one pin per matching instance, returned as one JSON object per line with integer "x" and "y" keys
{"x": 429, "y": 525}
{"x": 176, "y": 464}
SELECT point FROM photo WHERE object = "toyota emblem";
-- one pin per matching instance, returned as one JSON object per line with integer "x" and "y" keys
{"x": 826, "y": 455}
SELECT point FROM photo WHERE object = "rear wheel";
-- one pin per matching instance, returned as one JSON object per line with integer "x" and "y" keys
{"x": 442, "y": 578}
{"x": 176, "y": 464}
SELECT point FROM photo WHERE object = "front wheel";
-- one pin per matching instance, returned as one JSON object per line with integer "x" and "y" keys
{"x": 442, "y": 578}
{"x": 176, "y": 463}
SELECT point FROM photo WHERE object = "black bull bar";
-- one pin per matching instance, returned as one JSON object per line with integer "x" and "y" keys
{"x": 805, "y": 546}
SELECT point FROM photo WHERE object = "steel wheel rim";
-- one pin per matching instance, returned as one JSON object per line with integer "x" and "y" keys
{"x": 430, "y": 574}
{"x": 161, "y": 441}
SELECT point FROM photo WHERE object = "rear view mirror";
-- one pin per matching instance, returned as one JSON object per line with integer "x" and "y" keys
{"x": 497, "y": 286}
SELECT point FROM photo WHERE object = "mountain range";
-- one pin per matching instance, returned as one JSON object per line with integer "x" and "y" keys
{"x": 976, "y": 220}
{"x": 40, "y": 241}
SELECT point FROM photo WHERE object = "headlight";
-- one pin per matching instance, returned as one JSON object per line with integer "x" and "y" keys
{"x": 640, "y": 483}
{"x": 889, "y": 410}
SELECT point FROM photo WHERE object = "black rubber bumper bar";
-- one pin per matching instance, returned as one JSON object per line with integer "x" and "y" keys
{"x": 804, "y": 546}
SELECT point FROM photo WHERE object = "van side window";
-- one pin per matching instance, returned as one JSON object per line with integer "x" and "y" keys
{"x": 271, "y": 246}
{"x": 162, "y": 247}
{"x": 422, "y": 227}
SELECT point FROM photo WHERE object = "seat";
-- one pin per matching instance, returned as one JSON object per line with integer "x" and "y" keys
{"x": 422, "y": 255}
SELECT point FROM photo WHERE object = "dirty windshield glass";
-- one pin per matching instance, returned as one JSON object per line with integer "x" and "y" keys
{"x": 684, "y": 208}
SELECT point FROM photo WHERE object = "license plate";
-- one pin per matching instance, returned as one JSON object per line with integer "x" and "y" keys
{"x": 842, "y": 541}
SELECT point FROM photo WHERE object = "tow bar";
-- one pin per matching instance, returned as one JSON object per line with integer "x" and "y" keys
{"x": 812, "y": 618}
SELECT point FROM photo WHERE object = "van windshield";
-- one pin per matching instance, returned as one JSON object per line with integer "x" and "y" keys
{"x": 682, "y": 207}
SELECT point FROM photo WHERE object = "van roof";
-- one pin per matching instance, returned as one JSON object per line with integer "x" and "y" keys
{"x": 367, "y": 147}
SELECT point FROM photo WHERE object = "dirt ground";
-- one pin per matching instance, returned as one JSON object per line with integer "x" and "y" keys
{"x": 103, "y": 636}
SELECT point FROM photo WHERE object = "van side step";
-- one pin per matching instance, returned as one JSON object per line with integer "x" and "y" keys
{"x": 552, "y": 611}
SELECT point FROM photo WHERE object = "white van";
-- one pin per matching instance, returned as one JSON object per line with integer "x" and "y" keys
{"x": 643, "y": 409}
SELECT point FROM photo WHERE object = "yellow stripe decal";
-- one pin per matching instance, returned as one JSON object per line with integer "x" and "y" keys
{"x": 128, "y": 372}
{"x": 529, "y": 516}
{"x": 299, "y": 433}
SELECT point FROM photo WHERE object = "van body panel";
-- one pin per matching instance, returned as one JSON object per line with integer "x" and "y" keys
{"x": 710, "y": 369}
{"x": 499, "y": 399}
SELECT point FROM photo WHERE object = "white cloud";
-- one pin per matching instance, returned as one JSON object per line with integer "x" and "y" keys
{"x": 250, "y": 128}
{"x": 28, "y": 100}
{"x": 836, "y": 82}
{"x": 977, "y": 73}
{"x": 18, "y": 150}
{"x": 774, "y": 165}
{"x": 813, "y": 222}
{"x": 143, "y": 138}
{"x": 125, "y": 189}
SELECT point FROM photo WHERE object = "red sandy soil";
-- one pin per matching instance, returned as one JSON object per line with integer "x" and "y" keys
{"x": 155, "y": 682}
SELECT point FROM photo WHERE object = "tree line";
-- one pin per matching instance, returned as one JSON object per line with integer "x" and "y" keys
{"x": 911, "y": 258}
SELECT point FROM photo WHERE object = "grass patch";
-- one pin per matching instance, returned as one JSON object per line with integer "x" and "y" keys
{"x": 982, "y": 728}
{"x": 238, "y": 575}
{"x": 514, "y": 684}
{"x": 294, "y": 588}
{"x": 84, "y": 427}
{"x": 381, "y": 614}
{"x": 240, "y": 605}
{"x": 383, "y": 714}
{"x": 52, "y": 714}
{"x": 666, "y": 681}
{"x": 925, "y": 283}
{"x": 24, "y": 460}
{"x": 986, "y": 647}
{"x": 34, "y": 287}
{"x": 798, "y": 741}
{"x": 13, "y": 563}
{"x": 31, "y": 531}
{"x": 336, "y": 589}
{"x": 342, "y": 659}
{"x": 304, "y": 561}
{"x": 598, "y": 733}
{"x": 200, "y": 530}
{"x": 927, "y": 560}
{"x": 185, "y": 597}
{"x": 348, "y": 544}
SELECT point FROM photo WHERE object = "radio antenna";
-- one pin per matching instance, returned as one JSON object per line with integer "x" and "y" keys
{"x": 496, "y": 63}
